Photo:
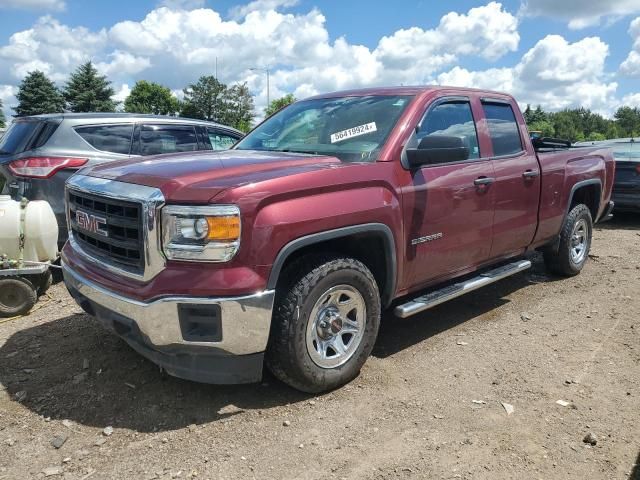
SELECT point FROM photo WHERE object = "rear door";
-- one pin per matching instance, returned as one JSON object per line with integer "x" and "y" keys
{"x": 220, "y": 139}
{"x": 517, "y": 177}
{"x": 448, "y": 207}
{"x": 156, "y": 139}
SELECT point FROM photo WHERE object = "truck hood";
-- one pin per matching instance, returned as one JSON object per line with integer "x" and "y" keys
{"x": 200, "y": 176}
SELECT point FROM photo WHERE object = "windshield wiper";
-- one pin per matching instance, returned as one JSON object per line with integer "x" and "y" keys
{"x": 289, "y": 150}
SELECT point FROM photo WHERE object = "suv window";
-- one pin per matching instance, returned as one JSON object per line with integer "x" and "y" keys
{"x": 452, "y": 119}
{"x": 503, "y": 128}
{"x": 25, "y": 135}
{"x": 108, "y": 138}
{"x": 157, "y": 139}
{"x": 219, "y": 140}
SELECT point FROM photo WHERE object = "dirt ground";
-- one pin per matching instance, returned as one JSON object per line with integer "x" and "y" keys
{"x": 428, "y": 403}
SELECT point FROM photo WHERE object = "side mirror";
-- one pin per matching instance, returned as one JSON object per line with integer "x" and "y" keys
{"x": 435, "y": 149}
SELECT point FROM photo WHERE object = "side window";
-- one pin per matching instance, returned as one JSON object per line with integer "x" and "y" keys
{"x": 108, "y": 138}
{"x": 157, "y": 139}
{"x": 453, "y": 119}
{"x": 503, "y": 128}
{"x": 219, "y": 140}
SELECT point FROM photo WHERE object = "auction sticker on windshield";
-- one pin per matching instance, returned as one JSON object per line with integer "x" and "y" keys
{"x": 353, "y": 132}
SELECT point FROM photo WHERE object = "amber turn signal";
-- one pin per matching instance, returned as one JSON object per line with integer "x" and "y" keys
{"x": 224, "y": 229}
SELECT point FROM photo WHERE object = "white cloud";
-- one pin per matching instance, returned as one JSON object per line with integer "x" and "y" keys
{"x": 8, "y": 98}
{"x": 123, "y": 63}
{"x": 37, "y": 5}
{"x": 261, "y": 6}
{"x": 554, "y": 73}
{"x": 631, "y": 100}
{"x": 631, "y": 66}
{"x": 175, "y": 45}
{"x": 49, "y": 46}
{"x": 581, "y": 13}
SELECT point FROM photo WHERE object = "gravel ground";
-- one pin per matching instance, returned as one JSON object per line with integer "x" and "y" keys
{"x": 428, "y": 403}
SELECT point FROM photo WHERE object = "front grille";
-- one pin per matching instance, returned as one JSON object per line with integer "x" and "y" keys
{"x": 119, "y": 239}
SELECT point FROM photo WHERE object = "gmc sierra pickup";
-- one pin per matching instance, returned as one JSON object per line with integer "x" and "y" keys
{"x": 287, "y": 248}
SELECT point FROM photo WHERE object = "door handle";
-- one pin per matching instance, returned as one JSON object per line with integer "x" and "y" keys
{"x": 531, "y": 174}
{"x": 483, "y": 181}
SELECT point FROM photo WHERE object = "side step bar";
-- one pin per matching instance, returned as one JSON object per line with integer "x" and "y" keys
{"x": 456, "y": 290}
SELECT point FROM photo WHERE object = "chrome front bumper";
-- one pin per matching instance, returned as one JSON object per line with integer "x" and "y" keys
{"x": 245, "y": 320}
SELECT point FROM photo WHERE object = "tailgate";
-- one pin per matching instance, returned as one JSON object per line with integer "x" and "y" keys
{"x": 627, "y": 176}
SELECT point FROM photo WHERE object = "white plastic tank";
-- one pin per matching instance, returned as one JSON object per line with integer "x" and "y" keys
{"x": 40, "y": 230}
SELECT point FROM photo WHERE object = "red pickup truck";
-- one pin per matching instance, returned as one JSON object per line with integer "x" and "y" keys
{"x": 286, "y": 249}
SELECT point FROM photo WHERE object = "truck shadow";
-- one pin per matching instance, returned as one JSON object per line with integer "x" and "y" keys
{"x": 397, "y": 334}
{"x": 71, "y": 368}
{"x": 635, "y": 473}
{"x": 43, "y": 367}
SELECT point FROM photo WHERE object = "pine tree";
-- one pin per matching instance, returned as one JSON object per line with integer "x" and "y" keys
{"x": 3, "y": 121}
{"x": 87, "y": 91}
{"x": 37, "y": 94}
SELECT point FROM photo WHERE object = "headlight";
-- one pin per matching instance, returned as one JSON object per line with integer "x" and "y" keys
{"x": 207, "y": 234}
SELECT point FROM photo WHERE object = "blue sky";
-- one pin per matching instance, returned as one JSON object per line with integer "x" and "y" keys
{"x": 559, "y": 53}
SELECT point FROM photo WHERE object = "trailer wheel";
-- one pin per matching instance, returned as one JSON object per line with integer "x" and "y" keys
{"x": 45, "y": 283}
{"x": 17, "y": 296}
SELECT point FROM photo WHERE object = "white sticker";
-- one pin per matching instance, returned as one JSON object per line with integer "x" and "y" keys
{"x": 354, "y": 132}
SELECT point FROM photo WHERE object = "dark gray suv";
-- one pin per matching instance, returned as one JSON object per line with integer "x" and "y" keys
{"x": 39, "y": 153}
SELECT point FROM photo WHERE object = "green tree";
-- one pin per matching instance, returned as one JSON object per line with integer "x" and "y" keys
{"x": 150, "y": 97}
{"x": 37, "y": 94}
{"x": 238, "y": 111}
{"x": 547, "y": 128}
{"x": 282, "y": 102}
{"x": 628, "y": 121}
{"x": 3, "y": 121}
{"x": 87, "y": 91}
{"x": 205, "y": 99}
{"x": 596, "y": 137}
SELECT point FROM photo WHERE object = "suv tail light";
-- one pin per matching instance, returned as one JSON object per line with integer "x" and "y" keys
{"x": 43, "y": 167}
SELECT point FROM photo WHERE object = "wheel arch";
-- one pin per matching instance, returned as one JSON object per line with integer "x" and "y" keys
{"x": 588, "y": 192}
{"x": 348, "y": 241}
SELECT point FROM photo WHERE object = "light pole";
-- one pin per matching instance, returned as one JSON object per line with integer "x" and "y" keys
{"x": 265, "y": 70}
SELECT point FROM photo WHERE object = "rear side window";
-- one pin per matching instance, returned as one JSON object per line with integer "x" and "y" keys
{"x": 503, "y": 129}
{"x": 108, "y": 138}
{"x": 155, "y": 140}
{"x": 23, "y": 136}
{"x": 220, "y": 141}
{"x": 453, "y": 119}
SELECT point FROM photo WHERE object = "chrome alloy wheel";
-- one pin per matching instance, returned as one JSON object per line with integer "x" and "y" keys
{"x": 579, "y": 241}
{"x": 336, "y": 326}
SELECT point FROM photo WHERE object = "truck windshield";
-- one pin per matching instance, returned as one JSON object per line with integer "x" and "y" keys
{"x": 354, "y": 129}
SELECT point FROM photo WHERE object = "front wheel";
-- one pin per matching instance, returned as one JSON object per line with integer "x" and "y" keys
{"x": 575, "y": 243}
{"x": 325, "y": 323}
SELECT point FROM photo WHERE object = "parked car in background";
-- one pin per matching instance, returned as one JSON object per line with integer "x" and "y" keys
{"x": 626, "y": 188}
{"x": 39, "y": 153}
{"x": 288, "y": 247}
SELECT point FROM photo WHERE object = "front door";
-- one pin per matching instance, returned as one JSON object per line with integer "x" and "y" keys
{"x": 448, "y": 207}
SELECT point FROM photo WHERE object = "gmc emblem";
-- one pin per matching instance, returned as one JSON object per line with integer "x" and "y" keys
{"x": 91, "y": 223}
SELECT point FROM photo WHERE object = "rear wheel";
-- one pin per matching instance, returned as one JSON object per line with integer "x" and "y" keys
{"x": 17, "y": 296}
{"x": 575, "y": 243}
{"x": 325, "y": 323}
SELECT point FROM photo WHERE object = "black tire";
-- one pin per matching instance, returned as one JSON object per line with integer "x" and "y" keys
{"x": 562, "y": 262}
{"x": 46, "y": 280}
{"x": 17, "y": 296}
{"x": 304, "y": 283}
